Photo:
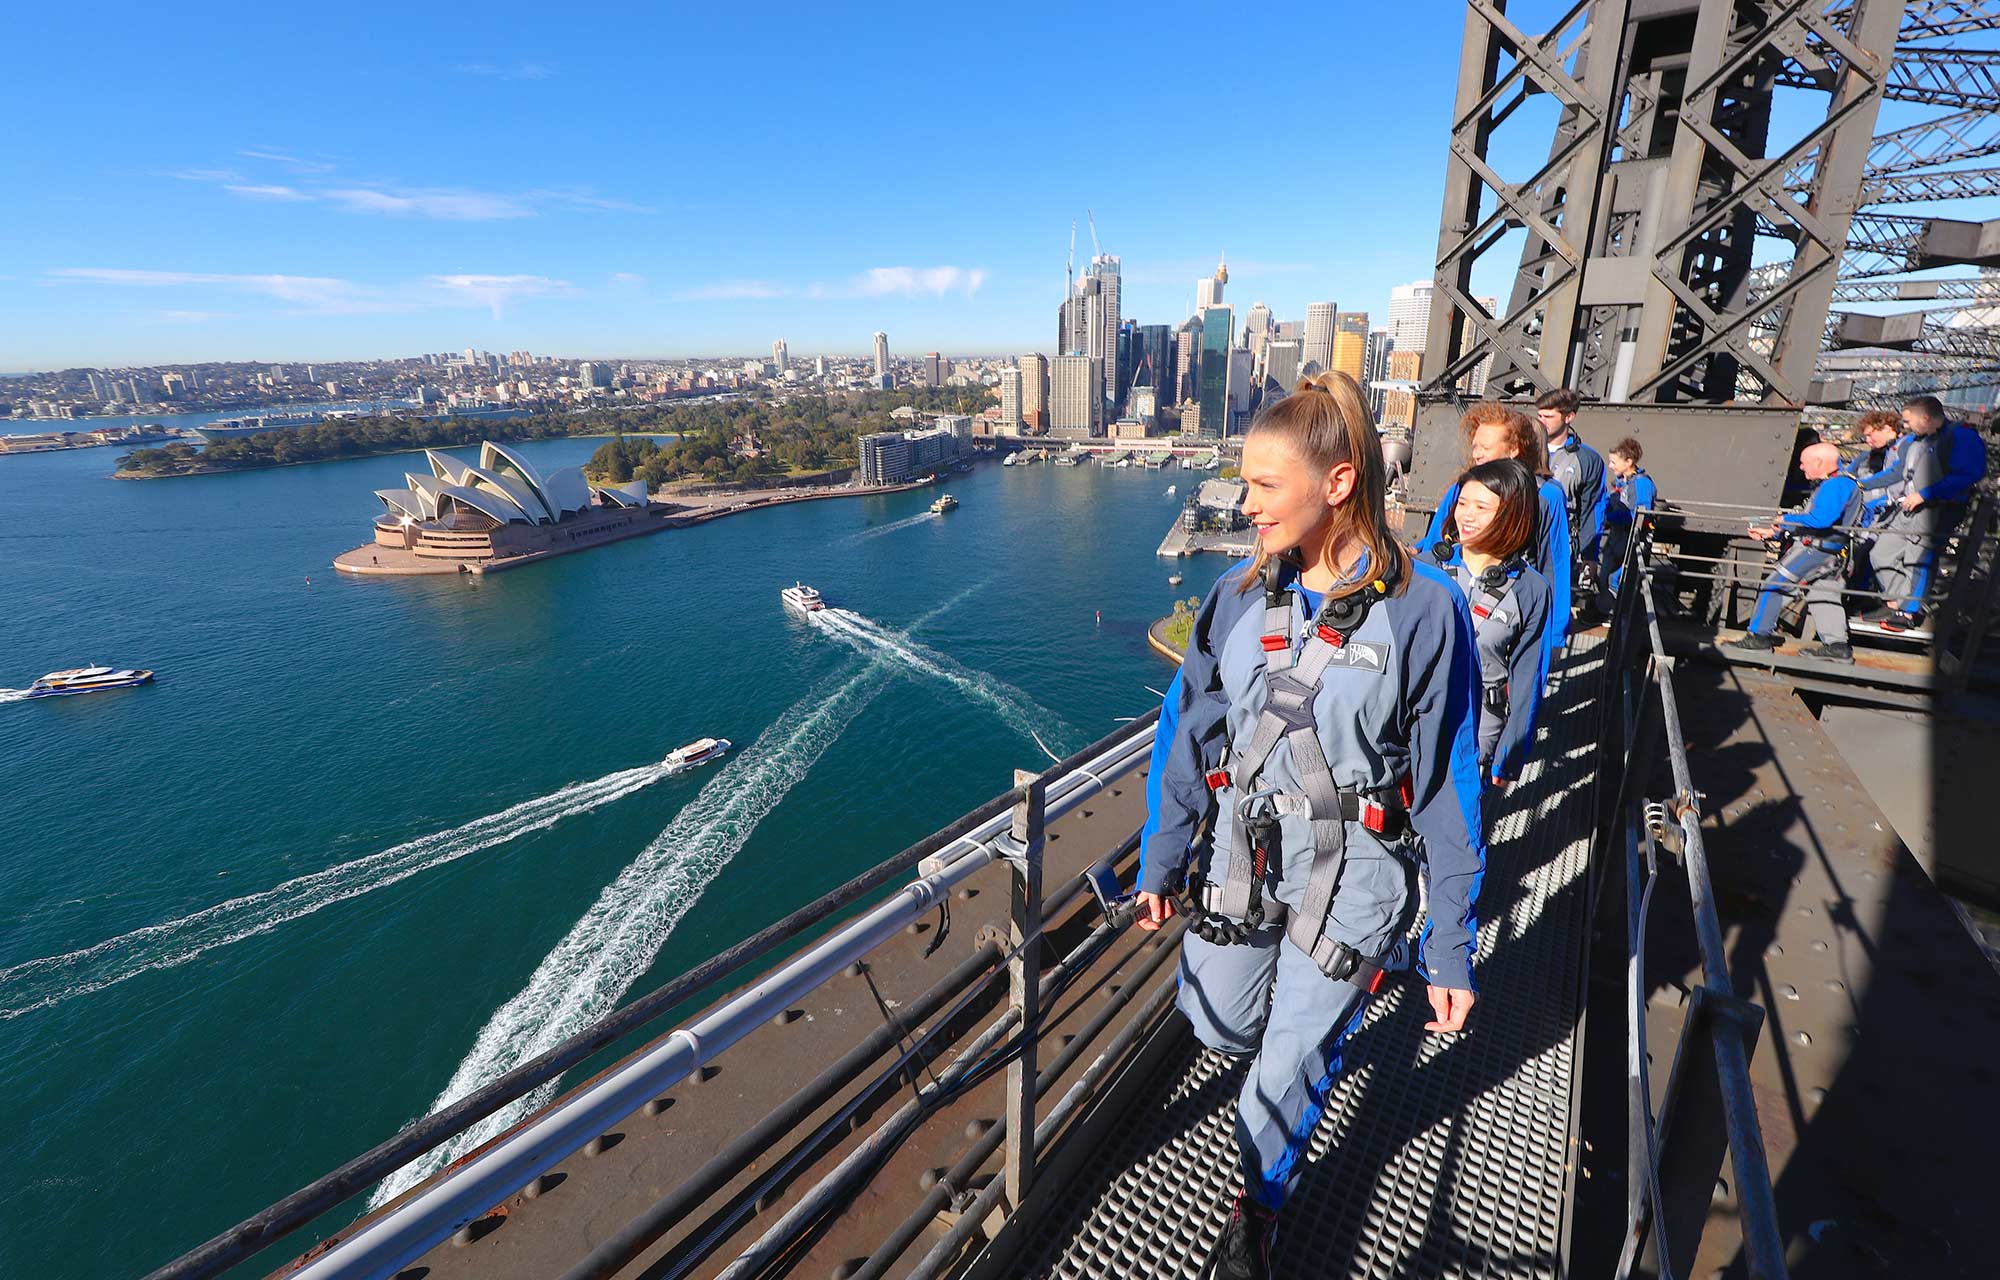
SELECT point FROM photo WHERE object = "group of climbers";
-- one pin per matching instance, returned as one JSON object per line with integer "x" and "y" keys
{"x": 1345, "y": 712}
{"x": 1873, "y": 525}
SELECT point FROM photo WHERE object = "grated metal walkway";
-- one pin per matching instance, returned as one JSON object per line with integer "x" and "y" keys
{"x": 1437, "y": 1156}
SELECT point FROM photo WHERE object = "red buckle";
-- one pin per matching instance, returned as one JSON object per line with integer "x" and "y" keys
{"x": 1331, "y": 636}
{"x": 1274, "y": 643}
{"x": 1374, "y": 817}
{"x": 1375, "y": 983}
{"x": 1480, "y": 611}
{"x": 1218, "y": 779}
{"x": 1406, "y": 791}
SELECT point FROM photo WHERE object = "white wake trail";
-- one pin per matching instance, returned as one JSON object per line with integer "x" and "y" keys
{"x": 13, "y": 695}
{"x": 1020, "y": 712}
{"x": 37, "y": 984}
{"x": 618, "y": 939}
{"x": 922, "y": 517}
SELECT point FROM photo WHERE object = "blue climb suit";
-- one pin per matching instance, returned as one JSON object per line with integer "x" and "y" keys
{"x": 1812, "y": 563}
{"x": 1579, "y": 470}
{"x": 1941, "y": 469}
{"x": 1552, "y": 555}
{"x": 1397, "y": 712}
{"x": 1509, "y": 617}
{"x": 1623, "y": 502}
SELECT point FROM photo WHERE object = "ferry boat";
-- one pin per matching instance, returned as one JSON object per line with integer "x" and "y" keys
{"x": 944, "y": 504}
{"x": 87, "y": 680}
{"x": 803, "y": 598}
{"x": 1066, "y": 460}
{"x": 700, "y": 751}
{"x": 1174, "y": 580}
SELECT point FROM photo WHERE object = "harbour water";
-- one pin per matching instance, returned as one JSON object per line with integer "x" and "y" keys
{"x": 369, "y": 841}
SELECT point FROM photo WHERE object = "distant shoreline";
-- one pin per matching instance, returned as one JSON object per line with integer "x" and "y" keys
{"x": 360, "y": 457}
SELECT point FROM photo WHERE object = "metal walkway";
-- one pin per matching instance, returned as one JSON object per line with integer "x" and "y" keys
{"x": 1437, "y": 1156}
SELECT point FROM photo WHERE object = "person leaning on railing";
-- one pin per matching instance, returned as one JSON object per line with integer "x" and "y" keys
{"x": 1814, "y": 562}
{"x": 1296, "y": 865}
{"x": 1928, "y": 480}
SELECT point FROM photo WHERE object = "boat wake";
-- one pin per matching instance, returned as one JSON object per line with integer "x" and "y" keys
{"x": 37, "y": 984}
{"x": 1020, "y": 712}
{"x": 13, "y": 695}
{"x": 922, "y": 517}
{"x": 617, "y": 940}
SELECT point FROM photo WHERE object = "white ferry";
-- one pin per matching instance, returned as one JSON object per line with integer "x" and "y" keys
{"x": 87, "y": 680}
{"x": 944, "y": 504}
{"x": 1011, "y": 460}
{"x": 803, "y": 598}
{"x": 1066, "y": 460}
{"x": 700, "y": 751}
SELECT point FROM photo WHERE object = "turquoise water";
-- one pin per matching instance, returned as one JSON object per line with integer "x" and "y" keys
{"x": 364, "y": 838}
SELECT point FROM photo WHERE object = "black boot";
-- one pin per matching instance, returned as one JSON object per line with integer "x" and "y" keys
{"x": 1752, "y": 641}
{"x": 1244, "y": 1252}
{"x": 1832, "y": 652}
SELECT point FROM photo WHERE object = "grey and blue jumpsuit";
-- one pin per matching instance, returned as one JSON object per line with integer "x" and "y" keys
{"x": 1941, "y": 470}
{"x": 1509, "y": 618}
{"x": 1401, "y": 712}
{"x": 1551, "y": 554}
{"x": 1623, "y": 502}
{"x": 1579, "y": 470}
{"x": 1813, "y": 562}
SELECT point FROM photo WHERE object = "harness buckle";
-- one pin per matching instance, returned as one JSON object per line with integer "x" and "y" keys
{"x": 1274, "y": 643}
{"x": 1374, "y": 816}
{"x": 1217, "y": 779}
{"x": 1332, "y": 637}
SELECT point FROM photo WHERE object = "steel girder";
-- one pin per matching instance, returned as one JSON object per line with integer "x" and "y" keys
{"x": 1984, "y": 289}
{"x": 1576, "y": 62}
{"x": 1938, "y": 77}
{"x": 1918, "y": 187}
{"x": 1927, "y": 19}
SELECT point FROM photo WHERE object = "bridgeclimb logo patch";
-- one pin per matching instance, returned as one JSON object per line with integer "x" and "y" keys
{"x": 1360, "y": 655}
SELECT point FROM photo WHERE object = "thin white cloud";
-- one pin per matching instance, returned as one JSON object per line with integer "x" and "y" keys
{"x": 449, "y": 206}
{"x": 204, "y": 175}
{"x": 730, "y": 290}
{"x": 256, "y": 191}
{"x": 319, "y": 295}
{"x": 519, "y": 71}
{"x": 583, "y": 200}
{"x": 297, "y": 164}
{"x": 497, "y": 292}
{"x": 628, "y": 279}
{"x": 906, "y": 282}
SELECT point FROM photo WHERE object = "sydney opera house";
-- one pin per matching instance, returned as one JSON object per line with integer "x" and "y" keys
{"x": 501, "y": 511}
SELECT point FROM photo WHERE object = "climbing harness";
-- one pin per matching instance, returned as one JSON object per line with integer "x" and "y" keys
{"x": 1230, "y": 910}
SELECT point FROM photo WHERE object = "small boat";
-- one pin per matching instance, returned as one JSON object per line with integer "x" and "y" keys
{"x": 87, "y": 680}
{"x": 700, "y": 751}
{"x": 1171, "y": 490}
{"x": 943, "y": 504}
{"x": 803, "y": 598}
{"x": 1066, "y": 460}
{"x": 1174, "y": 580}
{"x": 1011, "y": 460}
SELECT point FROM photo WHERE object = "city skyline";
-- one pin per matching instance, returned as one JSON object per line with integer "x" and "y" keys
{"x": 371, "y": 197}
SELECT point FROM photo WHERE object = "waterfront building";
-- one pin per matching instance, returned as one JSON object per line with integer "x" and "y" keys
{"x": 1143, "y": 406}
{"x": 1076, "y": 396}
{"x": 1190, "y": 414}
{"x": 1318, "y": 350}
{"x": 1010, "y": 400}
{"x": 1218, "y": 324}
{"x": 501, "y": 507}
{"x": 1410, "y": 315}
{"x": 1035, "y": 392}
{"x": 1208, "y": 292}
{"x": 897, "y": 457}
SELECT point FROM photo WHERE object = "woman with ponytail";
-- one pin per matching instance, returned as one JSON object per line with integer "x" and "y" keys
{"x": 1484, "y": 544}
{"x": 1316, "y": 753}
{"x": 1490, "y": 431}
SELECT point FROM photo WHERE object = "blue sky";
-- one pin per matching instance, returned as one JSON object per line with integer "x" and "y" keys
{"x": 284, "y": 182}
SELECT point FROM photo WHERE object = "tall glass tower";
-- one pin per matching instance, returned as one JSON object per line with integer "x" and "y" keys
{"x": 1218, "y": 324}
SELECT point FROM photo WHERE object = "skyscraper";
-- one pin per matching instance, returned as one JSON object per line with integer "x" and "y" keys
{"x": 1104, "y": 319}
{"x": 1153, "y": 361}
{"x": 1399, "y": 408}
{"x": 1187, "y": 360}
{"x": 781, "y": 357}
{"x": 1076, "y": 396}
{"x": 881, "y": 354}
{"x": 1350, "y": 343}
{"x": 933, "y": 369}
{"x": 1281, "y": 368}
{"x": 1010, "y": 400}
{"x": 1410, "y": 315}
{"x": 1375, "y": 367}
{"x": 1035, "y": 392}
{"x": 1218, "y": 325}
{"x": 1208, "y": 292}
{"x": 1257, "y": 328}
{"x": 1318, "y": 349}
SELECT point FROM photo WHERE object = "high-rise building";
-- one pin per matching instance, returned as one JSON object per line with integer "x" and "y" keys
{"x": 933, "y": 369}
{"x": 1281, "y": 368}
{"x": 1318, "y": 349}
{"x": 1350, "y": 351}
{"x": 1242, "y": 388}
{"x": 1208, "y": 292}
{"x": 1257, "y": 329}
{"x": 1076, "y": 396}
{"x": 881, "y": 354}
{"x": 1218, "y": 325}
{"x": 1153, "y": 361}
{"x": 1142, "y": 405}
{"x": 1375, "y": 367}
{"x": 781, "y": 357}
{"x": 1128, "y": 357}
{"x": 1035, "y": 392}
{"x": 819, "y": 366}
{"x": 1010, "y": 400}
{"x": 1399, "y": 408}
{"x": 1410, "y": 315}
{"x": 1187, "y": 361}
{"x": 173, "y": 386}
{"x": 586, "y": 374}
{"x": 1104, "y": 321}
{"x": 100, "y": 386}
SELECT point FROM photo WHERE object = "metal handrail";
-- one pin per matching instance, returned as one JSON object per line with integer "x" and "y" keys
{"x": 1643, "y": 674}
{"x": 1068, "y": 782}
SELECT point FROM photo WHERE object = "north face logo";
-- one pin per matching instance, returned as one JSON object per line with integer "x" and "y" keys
{"x": 1358, "y": 655}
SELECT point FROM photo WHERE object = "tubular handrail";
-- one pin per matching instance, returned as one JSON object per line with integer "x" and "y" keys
{"x": 976, "y": 830}
{"x": 1642, "y": 672}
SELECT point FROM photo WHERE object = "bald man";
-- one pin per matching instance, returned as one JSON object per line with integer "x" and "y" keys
{"x": 1813, "y": 563}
